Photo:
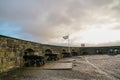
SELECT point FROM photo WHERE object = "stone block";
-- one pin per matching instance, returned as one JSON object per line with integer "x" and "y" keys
{"x": 2, "y": 54}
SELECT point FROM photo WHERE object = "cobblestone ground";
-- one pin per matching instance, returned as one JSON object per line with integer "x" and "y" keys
{"x": 94, "y": 67}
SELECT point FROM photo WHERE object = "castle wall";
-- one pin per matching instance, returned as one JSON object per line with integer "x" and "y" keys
{"x": 12, "y": 51}
{"x": 101, "y": 50}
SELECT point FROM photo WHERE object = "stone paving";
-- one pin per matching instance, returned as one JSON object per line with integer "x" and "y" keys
{"x": 95, "y": 67}
{"x": 54, "y": 66}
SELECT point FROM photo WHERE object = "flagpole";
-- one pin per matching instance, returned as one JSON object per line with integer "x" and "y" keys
{"x": 68, "y": 44}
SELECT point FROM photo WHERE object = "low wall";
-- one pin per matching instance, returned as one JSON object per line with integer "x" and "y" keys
{"x": 12, "y": 51}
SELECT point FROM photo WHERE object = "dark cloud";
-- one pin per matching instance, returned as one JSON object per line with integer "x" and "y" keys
{"x": 43, "y": 20}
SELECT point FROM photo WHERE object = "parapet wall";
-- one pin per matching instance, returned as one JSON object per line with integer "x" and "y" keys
{"x": 100, "y": 50}
{"x": 12, "y": 51}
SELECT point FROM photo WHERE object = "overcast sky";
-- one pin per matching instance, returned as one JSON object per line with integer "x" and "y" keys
{"x": 93, "y": 22}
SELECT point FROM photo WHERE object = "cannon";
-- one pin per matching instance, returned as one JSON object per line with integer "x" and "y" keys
{"x": 52, "y": 57}
{"x": 66, "y": 54}
{"x": 39, "y": 60}
{"x": 74, "y": 53}
{"x": 32, "y": 60}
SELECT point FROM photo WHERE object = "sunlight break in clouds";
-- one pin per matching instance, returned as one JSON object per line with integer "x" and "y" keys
{"x": 94, "y": 22}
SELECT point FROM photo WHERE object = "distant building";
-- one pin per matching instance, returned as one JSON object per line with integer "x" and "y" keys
{"x": 82, "y": 45}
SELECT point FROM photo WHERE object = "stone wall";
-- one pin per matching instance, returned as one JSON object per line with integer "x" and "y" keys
{"x": 12, "y": 51}
{"x": 101, "y": 50}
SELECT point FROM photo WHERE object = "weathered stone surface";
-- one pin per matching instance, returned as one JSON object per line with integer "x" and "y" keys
{"x": 53, "y": 66}
{"x": 12, "y": 51}
{"x": 96, "y": 67}
{"x": 58, "y": 66}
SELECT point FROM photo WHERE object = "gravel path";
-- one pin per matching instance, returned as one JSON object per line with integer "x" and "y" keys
{"x": 99, "y": 70}
{"x": 95, "y": 67}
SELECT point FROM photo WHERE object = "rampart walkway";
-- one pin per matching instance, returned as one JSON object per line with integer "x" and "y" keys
{"x": 100, "y": 67}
